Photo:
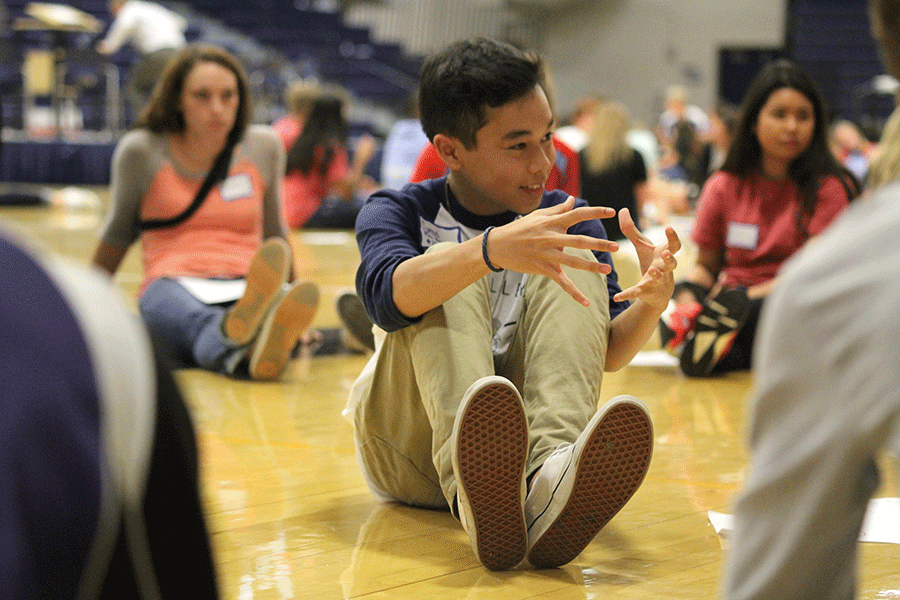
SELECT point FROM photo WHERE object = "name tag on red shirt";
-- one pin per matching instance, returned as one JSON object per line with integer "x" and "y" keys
{"x": 742, "y": 235}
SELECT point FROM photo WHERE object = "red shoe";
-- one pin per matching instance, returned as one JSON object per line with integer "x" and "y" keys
{"x": 675, "y": 326}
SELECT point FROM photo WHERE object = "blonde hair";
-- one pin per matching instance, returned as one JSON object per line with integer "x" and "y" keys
{"x": 885, "y": 164}
{"x": 607, "y": 143}
{"x": 300, "y": 96}
{"x": 584, "y": 108}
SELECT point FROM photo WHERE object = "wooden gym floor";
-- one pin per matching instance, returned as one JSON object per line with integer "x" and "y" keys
{"x": 290, "y": 516}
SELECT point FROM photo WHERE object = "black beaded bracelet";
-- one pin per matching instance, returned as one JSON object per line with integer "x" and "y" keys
{"x": 484, "y": 254}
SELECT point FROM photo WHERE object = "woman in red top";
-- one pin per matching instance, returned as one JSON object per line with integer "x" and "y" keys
{"x": 779, "y": 186}
{"x": 322, "y": 189}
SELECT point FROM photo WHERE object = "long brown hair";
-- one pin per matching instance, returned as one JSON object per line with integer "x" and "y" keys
{"x": 163, "y": 113}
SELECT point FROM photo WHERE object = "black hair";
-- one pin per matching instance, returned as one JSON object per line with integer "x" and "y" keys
{"x": 325, "y": 128}
{"x": 815, "y": 162}
{"x": 458, "y": 83}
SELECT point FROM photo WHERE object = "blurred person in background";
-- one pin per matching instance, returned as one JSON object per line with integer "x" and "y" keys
{"x": 722, "y": 123}
{"x": 201, "y": 189}
{"x": 779, "y": 186}
{"x": 575, "y": 133}
{"x": 322, "y": 188}
{"x": 155, "y": 32}
{"x": 851, "y": 147}
{"x": 677, "y": 108}
{"x": 404, "y": 143}
{"x": 613, "y": 174}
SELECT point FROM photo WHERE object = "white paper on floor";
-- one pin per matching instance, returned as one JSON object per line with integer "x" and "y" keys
{"x": 881, "y": 524}
{"x": 654, "y": 358}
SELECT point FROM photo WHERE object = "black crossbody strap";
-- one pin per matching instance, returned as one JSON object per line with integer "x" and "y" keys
{"x": 217, "y": 173}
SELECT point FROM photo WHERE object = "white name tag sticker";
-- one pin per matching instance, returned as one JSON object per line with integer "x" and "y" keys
{"x": 237, "y": 187}
{"x": 742, "y": 235}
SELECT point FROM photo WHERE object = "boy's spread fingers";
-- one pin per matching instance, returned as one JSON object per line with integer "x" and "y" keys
{"x": 583, "y": 264}
{"x": 670, "y": 262}
{"x": 673, "y": 239}
{"x": 588, "y": 213}
{"x": 622, "y": 296}
{"x": 566, "y": 284}
{"x": 590, "y": 265}
{"x": 631, "y": 293}
{"x": 564, "y": 208}
{"x": 585, "y": 242}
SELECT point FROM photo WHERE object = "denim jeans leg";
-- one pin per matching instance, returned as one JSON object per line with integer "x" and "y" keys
{"x": 190, "y": 328}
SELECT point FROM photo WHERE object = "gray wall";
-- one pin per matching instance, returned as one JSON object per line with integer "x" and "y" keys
{"x": 423, "y": 26}
{"x": 629, "y": 49}
{"x": 634, "y": 49}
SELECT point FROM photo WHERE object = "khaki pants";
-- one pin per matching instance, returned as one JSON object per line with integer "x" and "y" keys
{"x": 404, "y": 421}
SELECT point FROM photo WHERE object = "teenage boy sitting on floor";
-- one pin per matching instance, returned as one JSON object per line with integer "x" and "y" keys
{"x": 524, "y": 289}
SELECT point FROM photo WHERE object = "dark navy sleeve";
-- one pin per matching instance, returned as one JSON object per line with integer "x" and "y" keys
{"x": 388, "y": 232}
{"x": 50, "y": 441}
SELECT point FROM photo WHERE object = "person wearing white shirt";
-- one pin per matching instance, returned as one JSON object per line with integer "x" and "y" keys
{"x": 155, "y": 32}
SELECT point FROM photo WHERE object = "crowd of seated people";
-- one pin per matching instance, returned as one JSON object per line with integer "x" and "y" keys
{"x": 211, "y": 197}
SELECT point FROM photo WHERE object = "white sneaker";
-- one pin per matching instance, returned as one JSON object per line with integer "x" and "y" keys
{"x": 490, "y": 449}
{"x": 581, "y": 486}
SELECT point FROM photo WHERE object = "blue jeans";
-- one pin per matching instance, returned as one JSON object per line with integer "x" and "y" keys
{"x": 336, "y": 213}
{"x": 189, "y": 329}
